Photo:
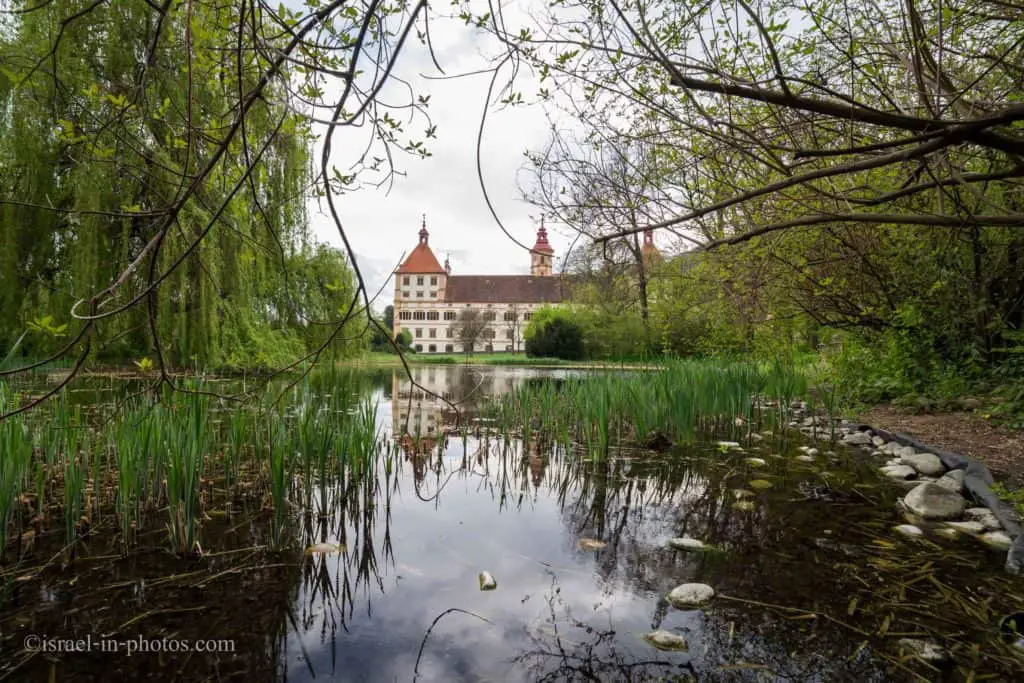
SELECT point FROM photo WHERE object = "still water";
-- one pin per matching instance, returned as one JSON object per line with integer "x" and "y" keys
{"x": 812, "y": 585}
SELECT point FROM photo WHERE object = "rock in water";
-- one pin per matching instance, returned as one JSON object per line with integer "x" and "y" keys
{"x": 686, "y": 543}
{"x": 726, "y": 445}
{"x": 899, "y": 471}
{"x": 590, "y": 544}
{"x": 325, "y": 549}
{"x": 805, "y": 458}
{"x": 857, "y": 439}
{"x": 973, "y": 528}
{"x": 908, "y": 530}
{"x": 743, "y": 505}
{"x": 931, "y": 501}
{"x": 691, "y": 594}
{"x": 997, "y": 540}
{"x": 666, "y": 640}
{"x": 983, "y": 516}
{"x": 925, "y": 463}
{"x": 756, "y": 462}
{"x": 925, "y": 650}
{"x": 761, "y": 484}
{"x": 487, "y": 581}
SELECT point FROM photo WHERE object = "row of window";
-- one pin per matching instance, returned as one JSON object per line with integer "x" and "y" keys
{"x": 426, "y": 315}
{"x": 417, "y": 333}
{"x": 450, "y": 348}
{"x": 509, "y": 316}
{"x": 419, "y": 295}
{"x": 419, "y": 280}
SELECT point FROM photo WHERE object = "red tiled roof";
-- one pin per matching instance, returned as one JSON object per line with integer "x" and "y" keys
{"x": 505, "y": 289}
{"x": 542, "y": 243}
{"x": 421, "y": 260}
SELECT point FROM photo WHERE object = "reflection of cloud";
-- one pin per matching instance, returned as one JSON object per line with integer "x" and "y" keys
{"x": 492, "y": 516}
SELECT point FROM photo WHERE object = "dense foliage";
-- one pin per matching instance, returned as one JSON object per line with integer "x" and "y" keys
{"x": 557, "y": 337}
{"x": 837, "y": 177}
{"x": 155, "y": 167}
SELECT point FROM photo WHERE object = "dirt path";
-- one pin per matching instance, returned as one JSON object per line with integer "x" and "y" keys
{"x": 968, "y": 433}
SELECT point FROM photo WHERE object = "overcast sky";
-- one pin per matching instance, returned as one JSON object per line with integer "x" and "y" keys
{"x": 445, "y": 187}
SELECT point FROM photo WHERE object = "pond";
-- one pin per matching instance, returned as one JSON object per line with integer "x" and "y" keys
{"x": 380, "y": 579}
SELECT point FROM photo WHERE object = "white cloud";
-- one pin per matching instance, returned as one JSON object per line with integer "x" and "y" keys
{"x": 445, "y": 186}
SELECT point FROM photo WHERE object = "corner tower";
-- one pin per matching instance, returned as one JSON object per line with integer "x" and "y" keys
{"x": 419, "y": 280}
{"x": 542, "y": 255}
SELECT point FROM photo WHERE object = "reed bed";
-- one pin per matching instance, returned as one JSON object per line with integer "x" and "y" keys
{"x": 65, "y": 469}
{"x": 678, "y": 399}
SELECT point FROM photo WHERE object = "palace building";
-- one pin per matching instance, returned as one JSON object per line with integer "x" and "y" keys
{"x": 445, "y": 313}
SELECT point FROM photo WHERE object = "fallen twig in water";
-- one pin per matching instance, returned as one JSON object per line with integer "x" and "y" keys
{"x": 416, "y": 669}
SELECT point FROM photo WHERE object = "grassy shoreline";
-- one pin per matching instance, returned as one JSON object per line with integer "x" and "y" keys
{"x": 506, "y": 359}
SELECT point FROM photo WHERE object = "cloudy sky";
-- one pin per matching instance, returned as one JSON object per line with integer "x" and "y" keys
{"x": 382, "y": 225}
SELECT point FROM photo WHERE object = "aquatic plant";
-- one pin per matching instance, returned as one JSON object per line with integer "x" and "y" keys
{"x": 186, "y": 445}
{"x": 678, "y": 398}
{"x": 15, "y": 461}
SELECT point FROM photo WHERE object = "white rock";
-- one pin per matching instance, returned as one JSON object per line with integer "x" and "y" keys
{"x": 924, "y": 649}
{"x": 899, "y": 471}
{"x": 891, "y": 448}
{"x": 904, "y": 451}
{"x": 931, "y": 501}
{"x": 983, "y": 516}
{"x": 925, "y": 463}
{"x": 970, "y": 527}
{"x": 952, "y": 480}
{"x": 877, "y": 441}
{"x": 666, "y": 640}
{"x": 756, "y": 462}
{"x": 690, "y": 594}
{"x": 908, "y": 530}
{"x": 805, "y": 458}
{"x": 686, "y": 543}
{"x": 857, "y": 439}
{"x": 728, "y": 444}
{"x": 946, "y": 532}
{"x": 812, "y": 452}
{"x": 996, "y": 540}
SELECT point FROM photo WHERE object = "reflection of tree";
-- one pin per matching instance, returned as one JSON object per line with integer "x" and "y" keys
{"x": 360, "y": 510}
{"x": 563, "y": 648}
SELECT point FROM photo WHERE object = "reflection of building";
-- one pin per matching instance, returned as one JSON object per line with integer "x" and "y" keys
{"x": 436, "y": 307}
{"x": 418, "y": 413}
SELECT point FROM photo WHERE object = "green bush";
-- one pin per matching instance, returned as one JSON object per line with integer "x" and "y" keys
{"x": 558, "y": 338}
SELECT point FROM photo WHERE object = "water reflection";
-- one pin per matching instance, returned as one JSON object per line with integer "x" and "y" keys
{"x": 461, "y": 503}
{"x": 806, "y": 590}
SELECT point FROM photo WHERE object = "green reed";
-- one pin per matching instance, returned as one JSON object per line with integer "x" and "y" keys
{"x": 678, "y": 398}
{"x": 186, "y": 442}
{"x": 280, "y": 476}
{"x": 15, "y": 463}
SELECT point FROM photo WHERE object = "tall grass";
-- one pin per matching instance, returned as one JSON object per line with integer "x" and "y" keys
{"x": 15, "y": 463}
{"x": 678, "y": 398}
{"x": 186, "y": 450}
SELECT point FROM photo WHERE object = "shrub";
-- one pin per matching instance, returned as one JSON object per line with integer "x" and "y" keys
{"x": 558, "y": 338}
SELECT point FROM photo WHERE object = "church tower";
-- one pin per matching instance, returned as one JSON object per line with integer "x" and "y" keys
{"x": 542, "y": 255}
{"x": 649, "y": 251}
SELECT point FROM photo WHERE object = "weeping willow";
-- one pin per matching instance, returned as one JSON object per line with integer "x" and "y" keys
{"x": 104, "y": 122}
